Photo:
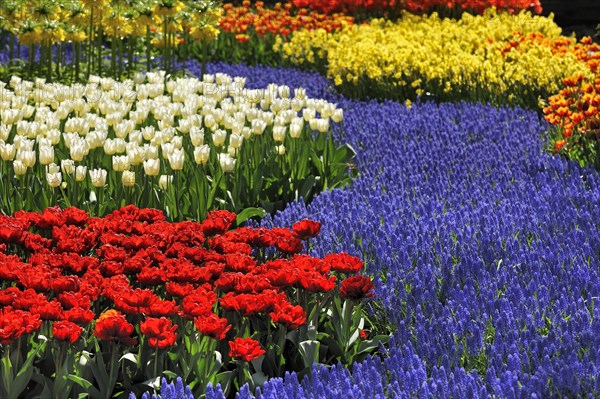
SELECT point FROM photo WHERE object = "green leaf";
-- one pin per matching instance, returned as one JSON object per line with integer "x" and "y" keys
{"x": 248, "y": 213}
{"x": 259, "y": 379}
{"x": 171, "y": 374}
{"x": 226, "y": 380}
{"x": 24, "y": 375}
{"x": 130, "y": 357}
{"x": 372, "y": 344}
{"x": 98, "y": 367}
{"x": 7, "y": 374}
{"x": 91, "y": 391}
{"x": 309, "y": 350}
{"x": 344, "y": 153}
{"x": 307, "y": 187}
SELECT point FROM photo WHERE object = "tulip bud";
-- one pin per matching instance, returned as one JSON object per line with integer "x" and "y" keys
{"x": 280, "y": 149}
{"x": 309, "y": 114}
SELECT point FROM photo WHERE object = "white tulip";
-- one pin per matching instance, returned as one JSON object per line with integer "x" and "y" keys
{"x": 309, "y": 114}
{"x": 120, "y": 146}
{"x": 128, "y": 178}
{"x": 280, "y": 149}
{"x": 94, "y": 140}
{"x": 258, "y": 126}
{"x": 27, "y": 157}
{"x": 78, "y": 150}
{"x": 184, "y": 126}
{"x": 167, "y": 149}
{"x": 279, "y": 133}
{"x": 120, "y": 163}
{"x": 150, "y": 152}
{"x": 52, "y": 168}
{"x": 201, "y": 154}
{"x": 98, "y": 177}
{"x": 4, "y": 131}
{"x": 177, "y": 142}
{"x": 54, "y": 136}
{"x": 136, "y": 155}
{"x": 152, "y": 167}
{"x": 300, "y": 93}
{"x": 67, "y": 166}
{"x": 176, "y": 160}
{"x": 148, "y": 132}
{"x": 80, "y": 173}
{"x": 135, "y": 136}
{"x": 235, "y": 141}
{"x": 54, "y": 179}
{"x": 209, "y": 121}
{"x": 297, "y": 104}
{"x": 19, "y": 167}
{"x": 123, "y": 128}
{"x": 110, "y": 147}
{"x": 197, "y": 136}
{"x": 164, "y": 181}
{"x": 227, "y": 163}
{"x": 323, "y": 125}
{"x": 219, "y": 137}
{"x": 139, "y": 78}
{"x": 7, "y": 152}
{"x": 46, "y": 154}
{"x": 338, "y": 115}
{"x": 295, "y": 130}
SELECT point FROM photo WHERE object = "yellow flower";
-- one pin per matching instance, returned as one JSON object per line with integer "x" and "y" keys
{"x": 475, "y": 54}
{"x": 30, "y": 37}
{"x": 95, "y": 3}
{"x": 204, "y": 33}
{"x": 168, "y": 8}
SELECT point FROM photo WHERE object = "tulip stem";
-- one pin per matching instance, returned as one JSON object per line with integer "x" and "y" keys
{"x": 155, "y": 370}
{"x": 111, "y": 375}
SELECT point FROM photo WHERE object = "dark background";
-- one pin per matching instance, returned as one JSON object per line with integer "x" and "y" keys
{"x": 579, "y": 16}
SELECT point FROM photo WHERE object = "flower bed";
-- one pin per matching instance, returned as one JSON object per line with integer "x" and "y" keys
{"x": 393, "y": 7}
{"x": 443, "y": 59}
{"x": 249, "y": 30}
{"x": 202, "y": 143}
{"x": 108, "y": 304}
